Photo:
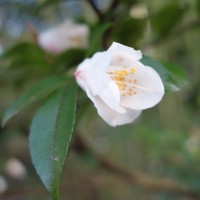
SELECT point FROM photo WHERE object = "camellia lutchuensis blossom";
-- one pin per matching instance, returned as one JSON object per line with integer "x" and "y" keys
{"x": 64, "y": 36}
{"x": 119, "y": 85}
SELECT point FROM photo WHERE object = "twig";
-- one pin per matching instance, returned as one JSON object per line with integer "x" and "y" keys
{"x": 107, "y": 34}
{"x": 135, "y": 176}
{"x": 114, "y": 4}
{"x": 98, "y": 12}
{"x": 106, "y": 37}
{"x": 147, "y": 181}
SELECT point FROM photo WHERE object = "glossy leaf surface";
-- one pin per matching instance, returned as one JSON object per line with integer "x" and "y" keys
{"x": 50, "y": 135}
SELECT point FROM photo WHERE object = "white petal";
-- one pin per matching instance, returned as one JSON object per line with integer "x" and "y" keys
{"x": 83, "y": 65}
{"x": 110, "y": 95}
{"x": 94, "y": 78}
{"x": 96, "y": 71}
{"x": 149, "y": 89}
{"x": 119, "y": 48}
{"x": 109, "y": 115}
{"x": 91, "y": 74}
{"x": 100, "y": 61}
{"x": 112, "y": 117}
{"x": 80, "y": 74}
{"x": 122, "y": 59}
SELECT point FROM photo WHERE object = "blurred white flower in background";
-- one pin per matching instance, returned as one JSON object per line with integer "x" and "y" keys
{"x": 1, "y": 49}
{"x": 192, "y": 144}
{"x": 3, "y": 184}
{"x": 139, "y": 11}
{"x": 64, "y": 36}
{"x": 15, "y": 168}
{"x": 119, "y": 85}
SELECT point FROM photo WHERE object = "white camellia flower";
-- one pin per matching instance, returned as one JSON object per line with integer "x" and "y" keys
{"x": 64, "y": 36}
{"x": 119, "y": 85}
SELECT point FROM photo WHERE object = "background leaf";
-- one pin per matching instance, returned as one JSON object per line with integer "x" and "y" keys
{"x": 197, "y": 6}
{"x": 132, "y": 29}
{"x": 32, "y": 95}
{"x": 173, "y": 126}
{"x": 170, "y": 80}
{"x": 69, "y": 58}
{"x": 162, "y": 71}
{"x": 177, "y": 73}
{"x": 50, "y": 135}
{"x": 26, "y": 55}
{"x": 167, "y": 18}
{"x": 97, "y": 33}
{"x": 23, "y": 47}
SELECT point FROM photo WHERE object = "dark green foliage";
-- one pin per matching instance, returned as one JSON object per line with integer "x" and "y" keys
{"x": 137, "y": 145}
{"x": 171, "y": 75}
{"x": 98, "y": 35}
{"x": 50, "y": 135}
{"x": 130, "y": 31}
{"x": 165, "y": 20}
{"x": 69, "y": 58}
{"x": 34, "y": 94}
{"x": 197, "y": 6}
{"x": 177, "y": 73}
{"x": 25, "y": 55}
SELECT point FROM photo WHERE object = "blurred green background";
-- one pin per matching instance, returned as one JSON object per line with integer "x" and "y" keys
{"x": 164, "y": 142}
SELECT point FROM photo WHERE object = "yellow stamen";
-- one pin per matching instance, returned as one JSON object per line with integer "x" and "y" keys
{"x": 125, "y": 82}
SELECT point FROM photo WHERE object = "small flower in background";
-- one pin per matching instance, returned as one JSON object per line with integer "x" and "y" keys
{"x": 3, "y": 184}
{"x": 192, "y": 144}
{"x": 1, "y": 49}
{"x": 64, "y": 36}
{"x": 139, "y": 11}
{"x": 119, "y": 85}
{"x": 15, "y": 168}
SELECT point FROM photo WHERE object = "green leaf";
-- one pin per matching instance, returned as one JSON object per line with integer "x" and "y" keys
{"x": 177, "y": 73}
{"x": 130, "y": 2}
{"x": 32, "y": 95}
{"x": 166, "y": 19}
{"x": 24, "y": 50}
{"x": 70, "y": 58}
{"x": 22, "y": 47}
{"x": 171, "y": 87}
{"x": 197, "y": 6}
{"x": 133, "y": 29}
{"x": 25, "y": 55}
{"x": 162, "y": 71}
{"x": 170, "y": 82}
{"x": 97, "y": 33}
{"x": 50, "y": 135}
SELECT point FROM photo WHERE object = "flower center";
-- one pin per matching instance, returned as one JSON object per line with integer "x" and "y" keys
{"x": 125, "y": 80}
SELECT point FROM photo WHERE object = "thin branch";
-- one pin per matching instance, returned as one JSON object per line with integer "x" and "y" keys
{"x": 106, "y": 37}
{"x": 114, "y": 4}
{"x": 145, "y": 180}
{"x": 134, "y": 176}
{"x": 97, "y": 11}
{"x": 33, "y": 32}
